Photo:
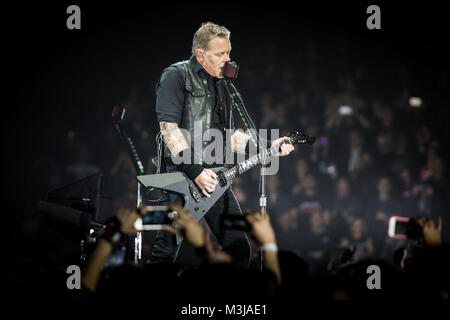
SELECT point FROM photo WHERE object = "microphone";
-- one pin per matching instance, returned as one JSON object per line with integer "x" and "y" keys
{"x": 230, "y": 70}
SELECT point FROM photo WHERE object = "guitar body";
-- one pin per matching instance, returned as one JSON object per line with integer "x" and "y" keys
{"x": 194, "y": 201}
{"x": 178, "y": 182}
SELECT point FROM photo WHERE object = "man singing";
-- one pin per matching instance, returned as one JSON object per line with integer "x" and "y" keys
{"x": 187, "y": 94}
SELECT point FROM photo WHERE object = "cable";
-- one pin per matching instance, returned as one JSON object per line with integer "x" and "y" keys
{"x": 244, "y": 114}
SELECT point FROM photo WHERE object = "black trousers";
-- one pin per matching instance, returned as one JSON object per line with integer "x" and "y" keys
{"x": 233, "y": 242}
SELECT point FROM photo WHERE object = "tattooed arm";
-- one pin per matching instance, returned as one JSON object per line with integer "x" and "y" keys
{"x": 206, "y": 179}
{"x": 173, "y": 137}
{"x": 239, "y": 141}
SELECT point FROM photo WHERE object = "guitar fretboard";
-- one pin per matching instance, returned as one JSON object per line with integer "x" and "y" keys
{"x": 246, "y": 165}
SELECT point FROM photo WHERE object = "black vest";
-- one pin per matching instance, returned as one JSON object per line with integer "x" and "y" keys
{"x": 197, "y": 110}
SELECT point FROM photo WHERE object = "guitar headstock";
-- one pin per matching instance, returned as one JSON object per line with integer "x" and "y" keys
{"x": 298, "y": 137}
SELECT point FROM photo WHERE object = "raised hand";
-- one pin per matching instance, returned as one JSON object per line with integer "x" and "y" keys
{"x": 185, "y": 225}
{"x": 432, "y": 234}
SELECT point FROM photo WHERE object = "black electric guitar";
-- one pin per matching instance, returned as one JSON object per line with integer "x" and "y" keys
{"x": 195, "y": 202}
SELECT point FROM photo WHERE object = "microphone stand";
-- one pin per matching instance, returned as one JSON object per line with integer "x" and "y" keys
{"x": 262, "y": 200}
{"x": 237, "y": 100}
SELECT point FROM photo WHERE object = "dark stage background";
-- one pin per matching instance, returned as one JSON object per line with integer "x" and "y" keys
{"x": 298, "y": 63}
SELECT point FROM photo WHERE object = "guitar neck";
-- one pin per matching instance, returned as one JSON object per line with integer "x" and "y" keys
{"x": 246, "y": 165}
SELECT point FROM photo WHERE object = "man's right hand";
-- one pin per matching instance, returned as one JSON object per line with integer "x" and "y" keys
{"x": 207, "y": 181}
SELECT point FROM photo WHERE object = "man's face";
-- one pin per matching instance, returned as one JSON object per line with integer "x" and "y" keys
{"x": 213, "y": 59}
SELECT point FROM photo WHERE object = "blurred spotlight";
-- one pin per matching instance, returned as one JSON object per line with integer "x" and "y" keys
{"x": 415, "y": 102}
{"x": 345, "y": 110}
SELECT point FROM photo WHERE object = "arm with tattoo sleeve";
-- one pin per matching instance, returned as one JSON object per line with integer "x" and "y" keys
{"x": 173, "y": 137}
{"x": 239, "y": 141}
{"x": 206, "y": 179}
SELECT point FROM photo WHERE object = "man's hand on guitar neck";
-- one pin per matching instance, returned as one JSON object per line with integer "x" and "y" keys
{"x": 207, "y": 181}
{"x": 285, "y": 148}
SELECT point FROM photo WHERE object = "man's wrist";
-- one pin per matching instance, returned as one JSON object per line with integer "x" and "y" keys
{"x": 269, "y": 246}
{"x": 191, "y": 170}
{"x": 433, "y": 242}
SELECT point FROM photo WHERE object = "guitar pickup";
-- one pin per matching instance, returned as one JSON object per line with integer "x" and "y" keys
{"x": 222, "y": 180}
{"x": 194, "y": 193}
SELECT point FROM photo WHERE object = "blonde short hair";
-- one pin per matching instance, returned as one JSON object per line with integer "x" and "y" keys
{"x": 206, "y": 32}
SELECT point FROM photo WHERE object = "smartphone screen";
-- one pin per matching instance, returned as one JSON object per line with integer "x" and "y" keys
{"x": 154, "y": 219}
{"x": 398, "y": 227}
